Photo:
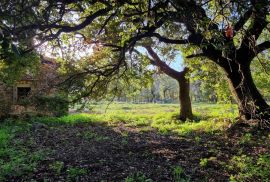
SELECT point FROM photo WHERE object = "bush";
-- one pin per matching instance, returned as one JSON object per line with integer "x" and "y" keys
{"x": 56, "y": 105}
{"x": 5, "y": 104}
{"x": 5, "y": 108}
{"x": 250, "y": 169}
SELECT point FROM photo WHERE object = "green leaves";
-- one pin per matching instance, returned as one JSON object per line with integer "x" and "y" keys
{"x": 15, "y": 66}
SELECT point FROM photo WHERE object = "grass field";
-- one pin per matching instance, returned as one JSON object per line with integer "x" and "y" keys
{"x": 207, "y": 117}
{"x": 134, "y": 142}
{"x": 201, "y": 110}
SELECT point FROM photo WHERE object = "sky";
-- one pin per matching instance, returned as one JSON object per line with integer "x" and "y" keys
{"x": 176, "y": 64}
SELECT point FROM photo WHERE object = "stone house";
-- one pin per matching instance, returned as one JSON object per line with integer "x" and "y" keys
{"x": 43, "y": 83}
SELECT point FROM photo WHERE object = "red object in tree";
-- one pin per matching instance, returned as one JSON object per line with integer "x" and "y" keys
{"x": 229, "y": 32}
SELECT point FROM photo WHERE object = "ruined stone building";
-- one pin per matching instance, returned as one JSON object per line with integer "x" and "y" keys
{"x": 12, "y": 98}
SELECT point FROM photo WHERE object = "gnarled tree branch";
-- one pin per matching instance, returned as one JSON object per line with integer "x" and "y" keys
{"x": 162, "y": 65}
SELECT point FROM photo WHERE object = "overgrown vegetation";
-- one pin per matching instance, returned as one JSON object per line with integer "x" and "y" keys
{"x": 56, "y": 105}
{"x": 16, "y": 159}
{"x": 27, "y": 147}
{"x": 247, "y": 168}
{"x": 99, "y": 54}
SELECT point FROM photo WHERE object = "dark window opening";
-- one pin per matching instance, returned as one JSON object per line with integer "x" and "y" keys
{"x": 23, "y": 92}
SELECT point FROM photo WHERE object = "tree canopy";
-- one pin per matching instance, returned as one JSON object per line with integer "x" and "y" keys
{"x": 229, "y": 33}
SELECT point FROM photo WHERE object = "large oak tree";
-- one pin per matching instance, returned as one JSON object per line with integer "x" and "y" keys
{"x": 122, "y": 24}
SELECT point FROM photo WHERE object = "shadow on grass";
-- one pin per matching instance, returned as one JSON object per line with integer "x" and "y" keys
{"x": 77, "y": 150}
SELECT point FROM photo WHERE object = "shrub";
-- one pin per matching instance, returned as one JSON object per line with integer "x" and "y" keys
{"x": 137, "y": 177}
{"x": 179, "y": 175}
{"x": 57, "y": 167}
{"x": 74, "y": 173}
{"x": 249, "y": 169}
{"x": 5, "y": 108}
{"x": 56, "y": 105}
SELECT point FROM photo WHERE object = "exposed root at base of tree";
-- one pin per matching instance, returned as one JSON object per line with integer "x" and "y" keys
{"x": 251, "y": 124}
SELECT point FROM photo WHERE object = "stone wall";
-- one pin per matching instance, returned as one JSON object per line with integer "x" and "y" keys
{"x": 6, "y": 99}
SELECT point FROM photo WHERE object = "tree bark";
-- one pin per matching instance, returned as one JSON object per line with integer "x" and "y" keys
{"x": 184, "y": 97}
{"x": 251, "y": 104}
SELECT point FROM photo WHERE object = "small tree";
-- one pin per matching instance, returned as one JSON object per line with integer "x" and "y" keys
{"x": 181, "y": 77}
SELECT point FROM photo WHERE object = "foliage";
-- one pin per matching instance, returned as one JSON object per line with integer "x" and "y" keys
{"x": 17, "y": 66}
{"x": 179, "y": 175}
{"x": 56, "y": 104}
{"x": 208, "y": 81}
{"x": 57, "y": 166}
{"x": 110, "y": 81}
{"x": 260, "y": 72}
{"x": 161, "y": 89}
{"x": 14, "y": 157}
{"x": 75, "y": 172}
{"x": 245, "y": 138}
{"x": 114, "y": 29}
{"x": 158, "y": 118}
{"x": 248, "y": 168}
{"x": 137, "y": 177}
{"x": 121, "y": 24}
{"x": 5, "y": 108}
{"x": 203, "y": 162}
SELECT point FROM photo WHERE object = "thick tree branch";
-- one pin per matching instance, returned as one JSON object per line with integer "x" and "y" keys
{"x": 262, "y": 47}
{"x": 162, "y": 65}
{"x": 66, "y": 28}
{"x": 195, "y": 55}
{"x": 259, "y": 23}
{"x": 243, "y": 19}
{"x": 139, "y": 36}
{"x": 168, "y": 40}
{"x": 189, "y": 13}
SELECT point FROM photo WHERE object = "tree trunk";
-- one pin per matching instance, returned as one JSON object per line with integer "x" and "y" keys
{"x": 250, "y": 102}
{"x": 184, "y": 97}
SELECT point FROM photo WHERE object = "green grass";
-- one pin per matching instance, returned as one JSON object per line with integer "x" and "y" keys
{"x": 200, "y": 109}
{"x": 14, "y": 157}
{"x": 163, "y": 117}
{"x": 142, "y": 109}
{"x": 246, "y": 168}
{"x": 164, "y": 123}
{"x": 75, "y": 172}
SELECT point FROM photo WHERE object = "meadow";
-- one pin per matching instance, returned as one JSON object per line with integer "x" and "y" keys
{"x": 134, "y": 142}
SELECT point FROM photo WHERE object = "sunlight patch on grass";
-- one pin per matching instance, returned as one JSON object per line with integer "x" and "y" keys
{"x": 206, "y": 111}
{"x": 164, "y": 122}
{"x": 208, "y": 117}
{"x": 69, "y": 119}
{"x": 183, "y": 128}
{"x": 83, "y": 117}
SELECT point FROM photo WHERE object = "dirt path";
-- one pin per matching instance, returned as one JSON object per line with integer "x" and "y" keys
{"x": 87, "y": 152}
